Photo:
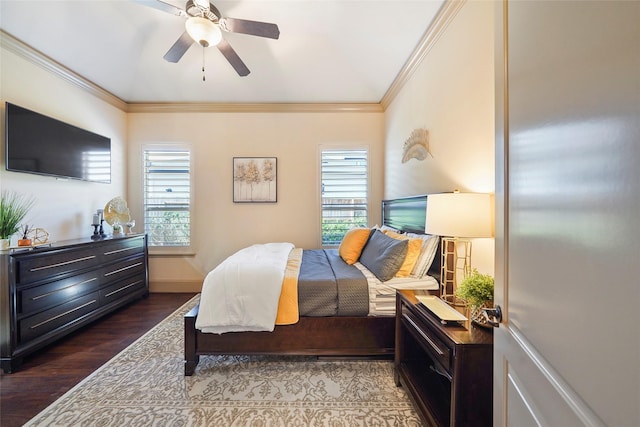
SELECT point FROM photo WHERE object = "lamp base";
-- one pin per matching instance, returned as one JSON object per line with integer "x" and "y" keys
{"x": 455, "y": 259}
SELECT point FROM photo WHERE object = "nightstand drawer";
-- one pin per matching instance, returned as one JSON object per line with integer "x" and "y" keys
{"x": 439, "y": 351}
{"x": 58, "y": 292}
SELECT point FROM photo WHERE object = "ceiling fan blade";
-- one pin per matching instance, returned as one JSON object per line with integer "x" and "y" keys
{"x": 179, "y": 48}
{"x": 203, "y": 4}
{"x": 233, "y": 58}
{"x": 160, "y": 5}
{"x": 253, "y": 28}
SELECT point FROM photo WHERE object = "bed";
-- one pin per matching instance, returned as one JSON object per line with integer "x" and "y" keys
{"x": 334, "y": 336}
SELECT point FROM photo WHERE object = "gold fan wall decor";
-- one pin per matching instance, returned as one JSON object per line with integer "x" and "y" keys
{"x": 416, "y": 146}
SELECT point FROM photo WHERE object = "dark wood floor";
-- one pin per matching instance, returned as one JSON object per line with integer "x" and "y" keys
{"x": 52, "y": 371}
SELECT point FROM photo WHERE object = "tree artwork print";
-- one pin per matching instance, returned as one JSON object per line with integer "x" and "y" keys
{"x": 254, "y": 179}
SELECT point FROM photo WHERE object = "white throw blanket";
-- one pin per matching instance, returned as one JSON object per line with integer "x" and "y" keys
{"x": 242, "y": 293}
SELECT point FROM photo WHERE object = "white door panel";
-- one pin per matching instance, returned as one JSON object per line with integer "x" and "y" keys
{"x": 518, "y": 404}
{"x": 568, "y": 213}
{"x": 535, "y": 390}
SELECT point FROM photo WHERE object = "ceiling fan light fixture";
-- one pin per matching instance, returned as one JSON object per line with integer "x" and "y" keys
{"x": 203, "y": 31}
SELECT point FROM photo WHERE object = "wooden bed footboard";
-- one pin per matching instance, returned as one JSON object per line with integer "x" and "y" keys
{"x": 314, "y": 336}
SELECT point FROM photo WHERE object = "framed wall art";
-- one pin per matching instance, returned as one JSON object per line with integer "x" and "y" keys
{"x": 255, "y": 180}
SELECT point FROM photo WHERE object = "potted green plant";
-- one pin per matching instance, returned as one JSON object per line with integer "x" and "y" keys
{"x": 476, "y": 291}
{"x": 13, "y": 208}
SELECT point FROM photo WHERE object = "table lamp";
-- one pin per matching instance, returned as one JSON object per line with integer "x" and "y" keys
{"x": 457, "y": 217}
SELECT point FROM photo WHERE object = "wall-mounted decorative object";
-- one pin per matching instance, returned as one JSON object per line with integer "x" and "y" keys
{"x": 416, "y": 146}
{"x": 255, "y": 180}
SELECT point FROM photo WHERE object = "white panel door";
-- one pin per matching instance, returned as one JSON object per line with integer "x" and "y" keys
{"x": 568, "y": 212}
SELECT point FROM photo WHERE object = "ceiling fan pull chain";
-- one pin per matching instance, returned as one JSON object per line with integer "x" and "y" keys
{"x": 203, "y": 77}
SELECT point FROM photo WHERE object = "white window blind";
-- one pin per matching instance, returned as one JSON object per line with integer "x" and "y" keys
{"x": 344, "y": 193}
{"x": 167, "y": 197}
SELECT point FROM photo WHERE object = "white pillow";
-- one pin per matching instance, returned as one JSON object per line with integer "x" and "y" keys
{"x": 384, "y": 228}
{"x": 427, "y": 253}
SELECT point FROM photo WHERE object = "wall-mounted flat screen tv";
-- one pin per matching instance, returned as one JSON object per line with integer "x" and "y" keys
{"x": 42, "y": 145}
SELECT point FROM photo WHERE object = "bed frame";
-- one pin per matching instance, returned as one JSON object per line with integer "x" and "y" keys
{"x": 367, "y": 336}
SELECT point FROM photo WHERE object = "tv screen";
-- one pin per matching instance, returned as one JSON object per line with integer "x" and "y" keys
{"x": 42, "y": 145}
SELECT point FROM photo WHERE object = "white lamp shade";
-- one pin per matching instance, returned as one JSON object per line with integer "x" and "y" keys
{"x": 460, "y": 215}
{"x": 203, "y": 31}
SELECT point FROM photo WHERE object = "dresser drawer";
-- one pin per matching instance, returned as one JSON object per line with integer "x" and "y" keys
{"x": 46, "y": 321}
{"x": 57, "y": 292}
{"x": 438, "y": 349}
{"x": 32, "y": 268}
{"x": 124, "y": 268}
{"x": 122, "y": 249}
{"x": 120, "y": 289}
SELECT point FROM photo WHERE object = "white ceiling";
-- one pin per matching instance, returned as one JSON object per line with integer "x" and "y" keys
{"x": 329, "y": 51}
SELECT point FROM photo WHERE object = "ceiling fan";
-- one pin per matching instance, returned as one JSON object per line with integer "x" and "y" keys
{"x": 204, "y": 25}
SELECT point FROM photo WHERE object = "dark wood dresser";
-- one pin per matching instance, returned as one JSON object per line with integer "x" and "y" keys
{"x": 447, "y": 370}
{"x": 49, "y": 291}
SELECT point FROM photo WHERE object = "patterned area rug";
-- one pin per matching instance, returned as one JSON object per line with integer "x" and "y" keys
{"x": 145, "y": 385}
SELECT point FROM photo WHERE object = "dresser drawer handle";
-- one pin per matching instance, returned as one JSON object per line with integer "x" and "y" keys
{"x": 123, "y": 288}
{"x": 120, "y": 250}
{"x": 123, "y": 269}
{"x": 63, "y": 314}
{"x": 62, "y": 289}
{"x": 425, "y": 336}
{"x": 60, "y": 264}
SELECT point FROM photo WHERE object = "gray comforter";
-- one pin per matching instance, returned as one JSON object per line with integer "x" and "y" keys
{"x": 327, "y": 286}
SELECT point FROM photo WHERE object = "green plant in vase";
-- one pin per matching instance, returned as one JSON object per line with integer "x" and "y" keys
{"x": 477, "y": 291}
{"x": 13, "y": 208}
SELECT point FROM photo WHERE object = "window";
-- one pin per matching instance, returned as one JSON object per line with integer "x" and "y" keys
{"x": 167, "y": 197}
{"x": 344, "y": 193}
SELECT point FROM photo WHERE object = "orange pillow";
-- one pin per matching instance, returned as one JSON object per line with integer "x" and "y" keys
{"x": 395, "y": 235}
{"x": 352, "y": 244}
{"x": 413, "y": 252}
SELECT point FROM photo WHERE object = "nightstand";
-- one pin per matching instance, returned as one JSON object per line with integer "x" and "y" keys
{"x": 447, "y": 370}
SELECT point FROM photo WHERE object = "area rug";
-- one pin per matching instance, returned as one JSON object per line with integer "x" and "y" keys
{"x": 145, "y": 385}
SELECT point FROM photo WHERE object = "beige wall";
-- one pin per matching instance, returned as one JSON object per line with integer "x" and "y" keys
{"x": 63, "y": 207}
{"x": 451, "y": 94}
{"x": 222, "y": 227}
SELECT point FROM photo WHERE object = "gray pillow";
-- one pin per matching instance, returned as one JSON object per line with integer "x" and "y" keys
{"x": 384, "y": 255}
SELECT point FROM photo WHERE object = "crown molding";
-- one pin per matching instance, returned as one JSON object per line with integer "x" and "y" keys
{"x": 254, "y": 108}
{"x": 36, "y": 57}
{"x": 439, "y": 24}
